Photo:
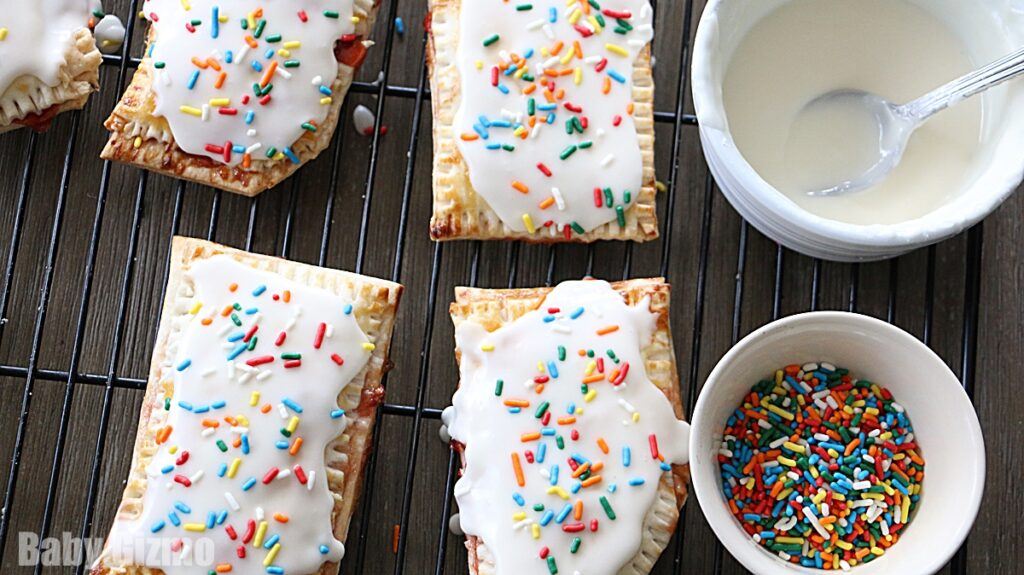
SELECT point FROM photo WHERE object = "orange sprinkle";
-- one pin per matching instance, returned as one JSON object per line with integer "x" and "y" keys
{"x": 517, "y": 467}
{"x": 577, "y": 49}
{"x": 236, "y": 442}
{"x": 581, "y": 470}
{"x": 199, "y": 63}
{"x": 246, "y": 160}
{"x": 223, "y": 568}
{"x": 852, "y": 445}
{"x": 629, "y": 108}
{"x": 266, "y": 408}
{"x": 577, "y": 510}
{"x": 206, "y": 321}
{"x": 221, "y": 78}
{"x": 520, "y": 187}
{"x": 469, "y": 137}
{"x": 556, "y": 48}
{"x": 163, "y": 434}
{"x": 566, "y": 420}
{"x": 597, "y": 467}
{"x": 251, "y": 41}
{"x": 539, "y": 388}
{"x": 608, "y": 329}
{"x": 232, "y": 287}
{"x": 213, "y": 64}
{"x": 211, "y": 423}
{"x": 516, "y": 403}
{"x": 226, "y": 311}
{"x": 592, "y": 480}
{"x": 268, "y": 75}
{"x": 280, "y": 518}
{"x": 296, "y": 446}
{"x": 547, "y": 203}
{"x": 530, "y": 89}
{"x": 607, "y": 87}
{"x": 395, "y": 533}
{"x": 528, "y": 437}
{"x": 593, "y": 378}
{"x": 230, "y": 420}
{"x": 604, "y": 446}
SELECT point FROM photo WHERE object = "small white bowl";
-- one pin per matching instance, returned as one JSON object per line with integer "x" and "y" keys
{"x": 944, "y": 421}
{"x": 989, "y": 28}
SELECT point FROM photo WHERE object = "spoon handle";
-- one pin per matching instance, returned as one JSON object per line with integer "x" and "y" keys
{"x": 1003, "y": 69}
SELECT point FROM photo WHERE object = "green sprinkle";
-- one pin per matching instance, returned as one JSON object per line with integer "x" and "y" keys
{"x": 259, "y": 28}
{"x": 252, "y": 343}
{"x": 627, "y": 196}
{"x": 273, "y": 38}
{"x": 235, "y": 320}
{"x": 167, "y": 404}
{"x": 285, "y": 432}
{"x": 560, "y": 442}
{"x": 291, "y": 355}
{"x": 524, "y": 7}
{"x": 308, "y": 127}
{"x": 561, "y": 353}
{"x": 552, "y": 568}
{"x": 500, "y": 385}
{"x": 568, "y": 152}
{"x": 508, "y": 147}
{"x": 159, "y": 65}
{"x": 587, "y": 144}
{"x": 609, "y": 199}
{"x": 291, "y": 63}
{"x": 331, "y": 13}
{"x": 491, "y": 39}
{"x": 538, "y": 507}
{"x": 607, "y": 508}
{"x": 577, "y": 228}
{"x": 541, "y": 409}
{"x": 271, "y": 152}
{"x": 223, "y": 447}
{"x": 575, "y": 545}
{"x": 620, "y": 214}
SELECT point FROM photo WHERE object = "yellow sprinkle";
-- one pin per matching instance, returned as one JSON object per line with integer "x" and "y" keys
{"x": 556, "y": 490}
{"x": 186, "y": 5}
{"x": 616, "y": 49}
{"x": 355, "y": 19}
{"x": 877, "y": 496}
{"x": 292, "y": 44}
{"x": 326, "y": 101}
{"x": 254, "y": 398}
{"x": 636, "y": 417}
{"x": 487, "y": 347}
{"x": 780, "y": 412}
{"x": 784, "y": 494}
{"x": 519, "y": 516}
{"x": 293, "y": 424}
{"x": 778, "y": 377}
{"x": 590, "y": 368}
{"x": 138, "y": 142}
{"x": 567, "y": 57}
{"x": 196, "y": 527}
{"x": 192, "y": 111}
{"x": 577, "y": 76}
{"x": 540, "y": 367}
{"x": 3, "y": 34}
{"x": 843, "y": 545}
{"x": 257, "y": 541}
{"x": 575, "y": 16}
{"x": 284, "y": 53}
{"x": 369, "y": 346}
{"x": 535, "y": 530}
{"x": 528, "y": 222}
{"x": 788, "y": 540}
{"x": 785, "y": 461}
{"x": 234, "y": 467}
{"x": 479, "y": 64}
{"x": 877, "y": 551}
{"x": 173, "y": 449}
{"x": 590, "y": 395}
{"x": 195, "y": 309}
{"x": 595, "y": 23}
{"x": 794, "y": 447}
{"x": 222, "y": 18}
{"x": 269, "y": 559}
{"x": 521, "y": 72}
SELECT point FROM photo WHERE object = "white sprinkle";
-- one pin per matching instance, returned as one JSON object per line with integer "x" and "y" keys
{"x": 209, "y": 371}
{"x": 197, "y": 476}
{"x": 283, "y": 473}
{"x": 206, "y": 112}
{"x": 607, "y": 161}
{"x": 253, "y": 148}
{"x": 208, "y": 432}
{"x": 536, "y": 24}
{"x": 264, "y": 375}
{"x": 317, "y": 80}
{"x": 312, "y": 478}
{"x": 259, "y": 514}
{"x": 231, "y": 500}
{"x": 548, "y": 31}
{"x": 559, "y": 199}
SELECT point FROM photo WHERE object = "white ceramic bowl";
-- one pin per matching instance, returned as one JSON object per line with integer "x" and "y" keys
{"x": 989, "y": 29}
{"x": 944, "y": 422}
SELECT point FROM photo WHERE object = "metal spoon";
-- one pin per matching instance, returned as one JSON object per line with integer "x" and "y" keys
{"x": 896, "y": 123}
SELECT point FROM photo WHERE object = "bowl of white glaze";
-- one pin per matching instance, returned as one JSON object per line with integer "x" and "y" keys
{"x": 945, "y": 427}
{"x": 988, "y": 30}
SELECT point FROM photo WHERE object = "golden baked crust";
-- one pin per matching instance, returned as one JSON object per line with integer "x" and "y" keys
{"x": 139, "y": 138}
{"x": 375, "y": 303}
{"x": 461, "y": 213}
{"x": 79, "y": 76}
{"x": 493, "y": 309}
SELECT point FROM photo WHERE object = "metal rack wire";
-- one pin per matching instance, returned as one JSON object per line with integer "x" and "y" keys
{"x": 112, "y": 378}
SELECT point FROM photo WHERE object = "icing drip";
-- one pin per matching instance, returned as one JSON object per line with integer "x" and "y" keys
{"x": 239, "y": 464}
{"x": 545, "y": 117}
{"x": 240, "y": 81}
{"x": 35, "y": 37}
{"x": 538, "y": 443}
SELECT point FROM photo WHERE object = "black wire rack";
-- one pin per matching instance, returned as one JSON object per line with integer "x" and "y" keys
{"x": 26, "y": 374}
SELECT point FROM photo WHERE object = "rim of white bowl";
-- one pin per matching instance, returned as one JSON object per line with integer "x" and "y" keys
{"x": 987, "y": 192}
{"x": 725, "y": 526}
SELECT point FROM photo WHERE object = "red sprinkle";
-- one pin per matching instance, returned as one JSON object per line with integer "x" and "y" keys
{"x": 250, "y": 530}
{"x": 300, "y": 474}
{"x": 250, "y": 333}
{"x": 653, "y": 441}
{"x": 573, "y": 527}
{"x": 292, "y": 363}
{"x": 182, "y": 458}
{"x": 337, "y": 359}
{"x": 319, "y": 339}
{"x": 280, "y": 339}
{"x": 231, "y": 532}
{"x": 260, "y": 360}
{"x": 274, "y": 471}
{"x": 183, "y": 480}
{"x": 544, "y": 169}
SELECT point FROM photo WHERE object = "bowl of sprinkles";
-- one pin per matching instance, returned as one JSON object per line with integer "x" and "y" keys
{"x": 836, "y": 441}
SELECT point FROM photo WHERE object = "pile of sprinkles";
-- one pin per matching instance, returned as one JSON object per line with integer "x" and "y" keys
{"x": 569, "y": 70}
{"x": 588, "y": 443}
{"x": 222, "y": 68}
{"x": 821, "y": 468}
{"x": 240, "y": 455}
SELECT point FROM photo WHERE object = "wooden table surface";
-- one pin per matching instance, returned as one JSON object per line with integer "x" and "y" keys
{"x": 85, "y": 247}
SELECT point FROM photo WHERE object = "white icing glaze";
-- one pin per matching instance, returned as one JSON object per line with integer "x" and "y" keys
{"x": 36, "y": 36}
{"x": 203, "y": 376}
{"x": 300, "y": 94}
{"x": 613, "y": 160}
{"x": 526, "y": 349}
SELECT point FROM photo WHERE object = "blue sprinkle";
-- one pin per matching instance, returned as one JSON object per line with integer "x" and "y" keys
{"x": 269, "y": 543}
{"x": 269, "y": 54}
{"x": 336, "y": 413}
{"x": 528, "y": 54}
{"x": 259, "y": 291}
{"x": 613, "y": 488}
{"x": 348, "y": 309}
{"x": 250, "y": 116}
{"x": 174, "y": 519}
{"x": 546, "y": 518}
{"x": 180, "y": 506}
{"x": 503, "y": 89}
{"x": 541, "y": 452}
{"x": 325, "y": 90}
{"x": 193, "y": 79}
{"x": 493, "y": 146}
{"x": 222, "y": 517}
{"x": 229, "y": 56}
{"x": 248, "y": 484}
{"x": 577, "y": 313}
{"x": 167, "y": 469}
{"x": 184, "y": 365}
{"x": 576, "y": 486}
{"x": 627, "y": 456}
{"x": 324, "y": 550}
{"x": 215, "y": 31}
{"x": 518, "y": 499}
{"x": 399, "y": 26}
{"x": 563, "y": 513}
{"x": 637, "y": 481}
{"x": 291, "y": 405}
{"x": 552, "y": 15}
{"x": 252, "y": 310}
{"x": 257, "y": 66}
{"x": 218, "y": 404}
{"x": 157, "y": 526}
{"x": 616, "y": 76}
{"x": 514, "y": 410}
{"x": 222, "y": 470}
{"x": 185, "y": 405}
{"x": 554, "y": 475}
{"x": 237, "y": 351}
{"x": 202, "y": 409}
{"x": 291, "y": 155}
{"x": 282, "y": 444}
{"x": 275, "y": 570}
{"x": 552, "y": 369}
{"x": 245, "y": 443}
{"x": 549, "y": 318}
{"x": 481, "y": 131}
{"x": 211, "y": 520}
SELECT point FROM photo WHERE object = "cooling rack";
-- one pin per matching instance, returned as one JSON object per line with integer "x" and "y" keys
{"x": 86, "y": 247}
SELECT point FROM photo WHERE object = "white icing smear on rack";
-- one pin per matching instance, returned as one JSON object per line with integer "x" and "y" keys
{"x": 623, "y": 416}
{"x": 35, "y": 37}
{"x": 288, "y": 52}
{"x": 212, "y": 483}
{"x": 500, "y": 47}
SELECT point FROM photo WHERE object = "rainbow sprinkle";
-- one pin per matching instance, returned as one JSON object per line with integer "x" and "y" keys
{"x": 821, "y": 468}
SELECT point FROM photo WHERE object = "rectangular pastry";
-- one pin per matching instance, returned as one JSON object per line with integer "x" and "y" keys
{"x": 238, "y": 94}
{"x": 49, "y": 62}
{"x": 543, "y": 120}
{"x": 257, "y": 419}
{"x": 568, "y": 418}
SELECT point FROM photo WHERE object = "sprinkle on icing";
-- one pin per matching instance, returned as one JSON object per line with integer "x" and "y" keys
{"x": 258, "y": 363}
{"x": 241, "y": 81}
{"x": 545, "y": 120}
{"x": 565, "y": 437}
{"x": 35, "y": 37}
